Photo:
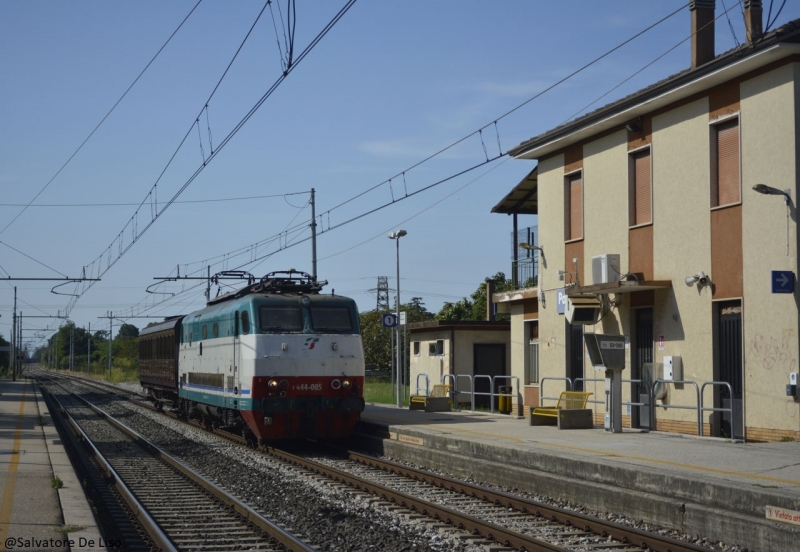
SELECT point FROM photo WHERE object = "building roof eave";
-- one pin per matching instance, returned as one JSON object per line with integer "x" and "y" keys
{"x": 648, "y": 100}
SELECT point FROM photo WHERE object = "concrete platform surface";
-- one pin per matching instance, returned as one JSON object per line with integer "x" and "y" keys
{"x": 693, "y": 484}
{"x": 33, "y": 514}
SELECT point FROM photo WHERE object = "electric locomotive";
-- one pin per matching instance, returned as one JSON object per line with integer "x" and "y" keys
{"x": 275, "y": 360}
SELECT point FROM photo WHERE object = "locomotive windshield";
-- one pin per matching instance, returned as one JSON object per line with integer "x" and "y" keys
{"x": 331, "y": 319}
{"x": 281, "y": 319}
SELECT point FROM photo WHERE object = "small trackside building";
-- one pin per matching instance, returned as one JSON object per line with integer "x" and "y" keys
{"x": 675, "y": 210}
{"x": 455, "y": 352}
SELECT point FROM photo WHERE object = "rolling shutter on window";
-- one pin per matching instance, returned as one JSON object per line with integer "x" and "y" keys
{"x": 728, "y": 163}
{"x": 575, "y": 207}
{"x": 641, "y": 189}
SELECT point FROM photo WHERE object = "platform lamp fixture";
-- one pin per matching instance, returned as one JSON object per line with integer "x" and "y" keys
{"x": 396, "y": 236}
{"x": 787, "y": 200}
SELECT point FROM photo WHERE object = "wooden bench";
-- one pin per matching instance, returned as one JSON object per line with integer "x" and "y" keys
{"x": 437, "y": 401}
{"x": 569, "y": 413}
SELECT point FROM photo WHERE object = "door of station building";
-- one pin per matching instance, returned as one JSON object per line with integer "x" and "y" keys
{"x": 489, "y": 359}
{"x": 575, "y": 355}
{"x": 729, "y": 368}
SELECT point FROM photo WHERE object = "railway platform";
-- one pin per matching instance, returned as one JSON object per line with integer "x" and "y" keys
{"x": 737, "y": 493}
{"x": 34, "y": 515}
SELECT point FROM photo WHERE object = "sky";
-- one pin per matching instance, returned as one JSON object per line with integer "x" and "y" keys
{"x": 357, "y": 118}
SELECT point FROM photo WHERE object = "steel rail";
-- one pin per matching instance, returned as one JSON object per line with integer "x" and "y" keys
{"x": 489, "y": 531}
{"x": 617, "y": 531}
{"x": 622, "y": 533}
{"x": 285, "y": 538}
{"x": 150, "y": 526}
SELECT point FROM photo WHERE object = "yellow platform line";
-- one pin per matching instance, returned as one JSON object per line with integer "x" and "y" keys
{"x": 7, "y": 504}
{"x": 450, "y": 428}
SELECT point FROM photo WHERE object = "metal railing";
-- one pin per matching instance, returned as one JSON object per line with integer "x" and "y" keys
{"x": 542, "y": 396}
{"x": 666, "y": 406}
{"x": 594, "y": 401}
{"x": 492, "y": 393}
{"x": 713, "y": 409}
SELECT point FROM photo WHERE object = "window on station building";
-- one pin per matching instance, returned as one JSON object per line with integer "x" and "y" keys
{"x": 640, "y": 188}
{"x": 573, "y": 206}
{"x": 725, "y": 163}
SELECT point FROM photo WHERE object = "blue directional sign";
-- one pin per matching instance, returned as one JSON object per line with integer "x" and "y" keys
{"x": 389, "y": 320}
{"x": 782, "y": 281}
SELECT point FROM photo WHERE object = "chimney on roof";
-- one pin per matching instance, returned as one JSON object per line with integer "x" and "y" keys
{"x": 702, "y": 31}
{"x": 752, "y": 20}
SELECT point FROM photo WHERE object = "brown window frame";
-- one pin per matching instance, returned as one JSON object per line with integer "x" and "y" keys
{"x": 636, "y": 208}
{"x": 572, "y": 230}
{"x": 730, "y": 193}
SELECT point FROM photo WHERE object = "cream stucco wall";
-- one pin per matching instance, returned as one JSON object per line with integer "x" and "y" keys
{"x": 682, "y": 212}
{"x": 769, "y": 144}
{"x": 434, "y": 366}
{"x": 605, "y": 163}
{"x": 552, "y": 330}
{"x": 682, "y": 247}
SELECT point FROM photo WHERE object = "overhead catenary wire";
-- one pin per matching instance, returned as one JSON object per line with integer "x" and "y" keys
{"x": 330, "y": 227}
{"x": 80, "y": 147}
{"x": 186, "y": 201}
{"x": 119, "y": 240}
{"x": 509, "y": 112}
{"x": 479, "y": 132}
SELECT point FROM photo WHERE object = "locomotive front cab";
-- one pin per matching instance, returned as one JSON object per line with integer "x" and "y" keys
{"x": 308, "y": 366}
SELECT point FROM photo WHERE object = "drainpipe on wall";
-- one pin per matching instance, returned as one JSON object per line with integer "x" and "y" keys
{"x": 702, "y": 31}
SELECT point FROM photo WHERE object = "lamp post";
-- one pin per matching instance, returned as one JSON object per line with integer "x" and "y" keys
{"x": 396, "y": 236}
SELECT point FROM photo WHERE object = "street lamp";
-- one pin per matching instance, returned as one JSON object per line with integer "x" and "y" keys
{"x": 769, "y": 190}
{"x": 396, "y": 236}
{"x": 787, "y": 199}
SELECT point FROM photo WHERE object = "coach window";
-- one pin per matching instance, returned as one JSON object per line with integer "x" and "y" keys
{"x": 205, "y": 332}
{"x": 281, "y": 319}
{"x": 216, "y": 329}
{"x": 245, "y": 322}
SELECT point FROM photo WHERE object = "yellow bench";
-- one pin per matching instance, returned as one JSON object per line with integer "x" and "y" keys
{"x": 437, "y": 401}
{"x": 568, "y": 400}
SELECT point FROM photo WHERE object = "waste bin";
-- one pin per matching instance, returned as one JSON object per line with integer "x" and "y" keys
{"x": 504, "y": 399}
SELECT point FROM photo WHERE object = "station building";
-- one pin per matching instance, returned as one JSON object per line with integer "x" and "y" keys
{"x": 670, "y": 217}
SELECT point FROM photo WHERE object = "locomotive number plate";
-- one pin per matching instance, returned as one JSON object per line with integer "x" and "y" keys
{"x": 308, "y": 387}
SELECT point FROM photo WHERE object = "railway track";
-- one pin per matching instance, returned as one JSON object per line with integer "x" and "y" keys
{"x": 506, "y": 519}
{"x": 179, "y": 509}
{"x": 493, "y": 519}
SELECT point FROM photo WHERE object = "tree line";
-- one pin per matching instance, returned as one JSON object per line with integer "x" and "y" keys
{"x": 377, "y": 339}
{"x": 124, "y": 349}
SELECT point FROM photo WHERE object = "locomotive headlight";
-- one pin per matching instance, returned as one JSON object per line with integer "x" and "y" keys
{"x": 284, "y": 384}
{"x": 273, "y": 384}
{"x": 336, "y": 384}
{"x": 347, "y": 384}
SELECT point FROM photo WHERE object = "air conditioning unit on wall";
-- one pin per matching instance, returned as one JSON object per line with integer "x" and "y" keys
{"x": 606, "y": 269}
